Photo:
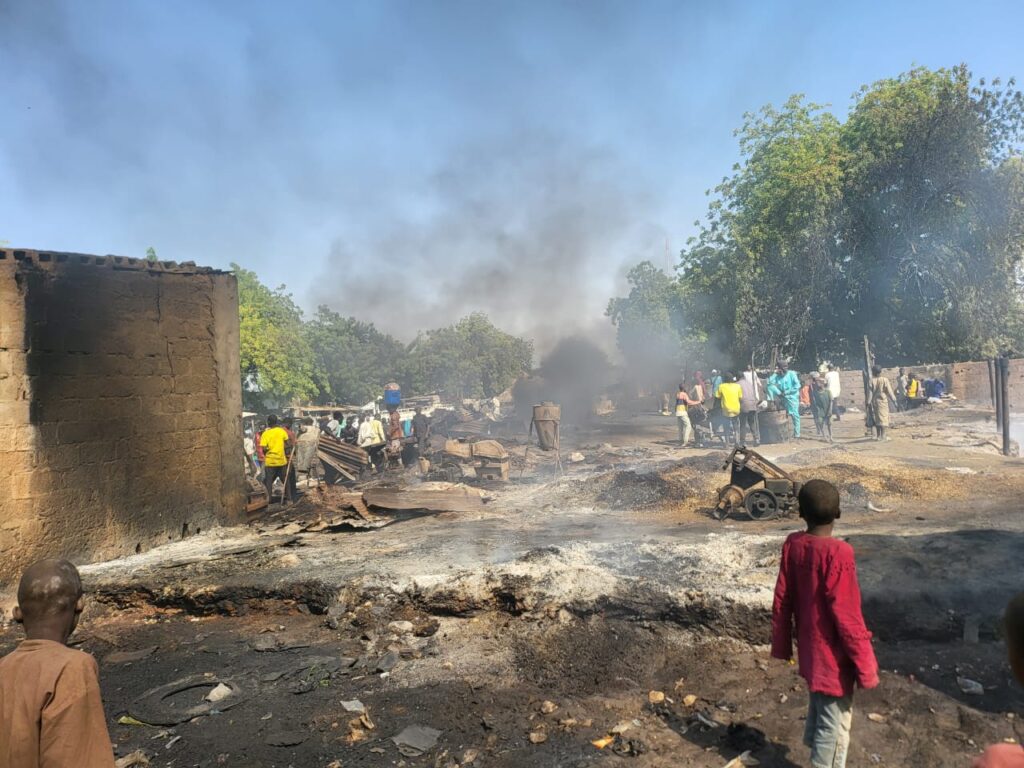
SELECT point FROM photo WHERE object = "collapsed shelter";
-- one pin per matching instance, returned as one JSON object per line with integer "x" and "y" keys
{"x": 120, "y": 401}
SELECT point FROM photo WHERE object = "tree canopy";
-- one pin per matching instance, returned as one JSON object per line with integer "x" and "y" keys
{"x": 335, "y": 359}
{"x": 903, "y": 222}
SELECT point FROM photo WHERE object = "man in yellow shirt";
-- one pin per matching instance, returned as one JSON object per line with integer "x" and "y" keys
{"x": 276, "y": 447}
{"x": 729, "y": 395}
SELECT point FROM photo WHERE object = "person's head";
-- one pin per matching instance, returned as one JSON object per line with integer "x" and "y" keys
{"x": 876, "y": 370}
{"x": 271, "y": 420}
{"x": 308, "y": 421}
{"x": 783, "y": 365}
{"x": 336, "y": 415}
{"x": 819, "y": 503}
{"x": 730, "y": 377}
{"x": 714, "y": 371}
{"x": 1013, "y": 624}
{"x": 831, "y": 367}
{"x": 49, "y": 600}
{"x": 682, "y": 386}
{"x": 902, "y": 372}
{"x": 418, "y": 410}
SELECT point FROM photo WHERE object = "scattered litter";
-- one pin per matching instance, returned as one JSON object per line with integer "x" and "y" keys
{"x": 538, "y": 737}
{"x": 689, "y": 700}
{"x": 548, "y": 707}
{"x": 219, "y": 693}
{"x": 401, "y": 627}
{"x": 705, "y": 720}
{"x": 470, "y": 756}
{"x": 962, "y": 470}
{"x": 655, "y": 697}
{"x": 136, "y": 758}
{"x": 172, "y": 742}
{"x": 353, "y": 706}
{"x": 414, "y": 740}
{"x": 576, "y": 457}
{"x": 970, "y": 687}
{"x": 603, "y": 742}
{"x": 622, "y": 727}
{"x": 129, "y": 720}
{"x": 873, "y": 508}
{"x": 874, "y": 717}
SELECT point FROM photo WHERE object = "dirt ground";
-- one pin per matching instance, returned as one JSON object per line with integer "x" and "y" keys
{"x": 560, "y": 615}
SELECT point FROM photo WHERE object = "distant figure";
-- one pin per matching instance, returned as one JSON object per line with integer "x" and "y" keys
{"x": 902, "y": 382}
{"x": 305, "y": 449}
{"x": 716, "y": 382}
{"x": 683, "y": 404}
{"x": 730, "y": 396}
{"x": 421, "y": 432}
{"x": 750, "y": 403}
{"x": 350, "y": 434}
{"x": 395, "y": 433}
{"x": 784, "y": 385}
{"x": 821, "y": 406}
{"x": 835, "y": 388}
{"x": 334, "y": 425}
{"x": 51, "y": 712}
{"x": 276, "y": 448}
{"x": 880, "y": 393}
{"x": 700, "y": 387}
{"x": 1009, "y": 755}
{"x": 817, "y": 587}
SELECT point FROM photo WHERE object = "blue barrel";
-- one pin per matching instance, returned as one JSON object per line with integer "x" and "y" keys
{"x": 392, "y": 397}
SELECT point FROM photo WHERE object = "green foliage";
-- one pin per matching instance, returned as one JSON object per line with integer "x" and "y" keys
{"x": 151, "y": 254}
{"x": 903, "y": 223}
{"x": 354, "y": 359}
{"x": 339, "y": 359}
{"x": 469, "y": 359}
{"x": 277, "y": 361}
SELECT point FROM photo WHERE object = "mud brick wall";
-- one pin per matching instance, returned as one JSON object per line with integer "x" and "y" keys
{"x": 968, "y": 381}
{"x": 120, "y": 401}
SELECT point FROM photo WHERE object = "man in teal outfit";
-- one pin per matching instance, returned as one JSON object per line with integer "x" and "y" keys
{"x": 785, "y": 384}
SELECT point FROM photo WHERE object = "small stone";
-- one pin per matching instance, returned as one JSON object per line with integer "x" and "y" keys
{"x": 285, "y": 738}
{"x": 401, "y": 627}
{"x": 875, "y": 717}
{"x": 387, "y": 662}
{"x": 970, "y": 687}
{"x": 656, "y": 697}
{"x": 355, "y": 705}
{"x": 219, "y": 693}
{"x": 689, "y": 700}
{"x": 548, "y": 707}
{"x": 538, "y": 737}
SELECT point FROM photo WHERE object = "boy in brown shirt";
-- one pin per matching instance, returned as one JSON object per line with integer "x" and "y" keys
{"x": 51, "y": 714}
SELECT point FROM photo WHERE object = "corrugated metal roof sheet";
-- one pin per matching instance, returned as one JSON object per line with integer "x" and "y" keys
{"x": 44, "y": 258}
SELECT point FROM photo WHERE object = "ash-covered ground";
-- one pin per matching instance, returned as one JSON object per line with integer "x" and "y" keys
{"x": 562, "y": 612}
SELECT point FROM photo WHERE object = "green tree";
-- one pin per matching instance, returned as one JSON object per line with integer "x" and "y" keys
{"x": 276, "y": 359}
{"x": 905, "y": 223}
{"x": 151, "y": 254}
{"x": 355, "y": 359}
{"x": 471, "y": 358}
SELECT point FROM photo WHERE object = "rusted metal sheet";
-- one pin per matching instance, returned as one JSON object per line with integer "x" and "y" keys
{"x": 447, "y": 500}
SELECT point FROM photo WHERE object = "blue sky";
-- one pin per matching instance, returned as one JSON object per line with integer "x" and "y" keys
{"x": 510, "y": 157}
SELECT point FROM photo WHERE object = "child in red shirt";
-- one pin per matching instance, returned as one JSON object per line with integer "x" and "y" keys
{"x": 817, "y": 586}
{"x": 1009, "y": 755}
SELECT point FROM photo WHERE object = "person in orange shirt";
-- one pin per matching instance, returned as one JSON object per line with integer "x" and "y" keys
{"x": 1009, "y": 755}
{"x": 51, "y": 712}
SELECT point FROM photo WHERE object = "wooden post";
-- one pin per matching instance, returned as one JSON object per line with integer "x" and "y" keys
{"x": 997, "y": 390}
{"x": 1005, "y": 387}
{"x": 992, "y": 381}
{"x": 867, "y": 377}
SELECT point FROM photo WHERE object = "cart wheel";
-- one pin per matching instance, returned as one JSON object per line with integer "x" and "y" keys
{"x": 761, "y": 504}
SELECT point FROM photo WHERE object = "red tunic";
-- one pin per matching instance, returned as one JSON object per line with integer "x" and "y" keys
{"x": 818, "y": 586}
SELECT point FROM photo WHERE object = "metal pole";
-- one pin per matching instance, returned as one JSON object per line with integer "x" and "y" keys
{"x": 1005, "y": 386}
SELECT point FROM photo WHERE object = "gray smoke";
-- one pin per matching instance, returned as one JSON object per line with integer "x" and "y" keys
{"x": 533, "y": 231}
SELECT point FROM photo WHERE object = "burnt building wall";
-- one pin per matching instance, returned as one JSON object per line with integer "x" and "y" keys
{"x": 120, "y": 399}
